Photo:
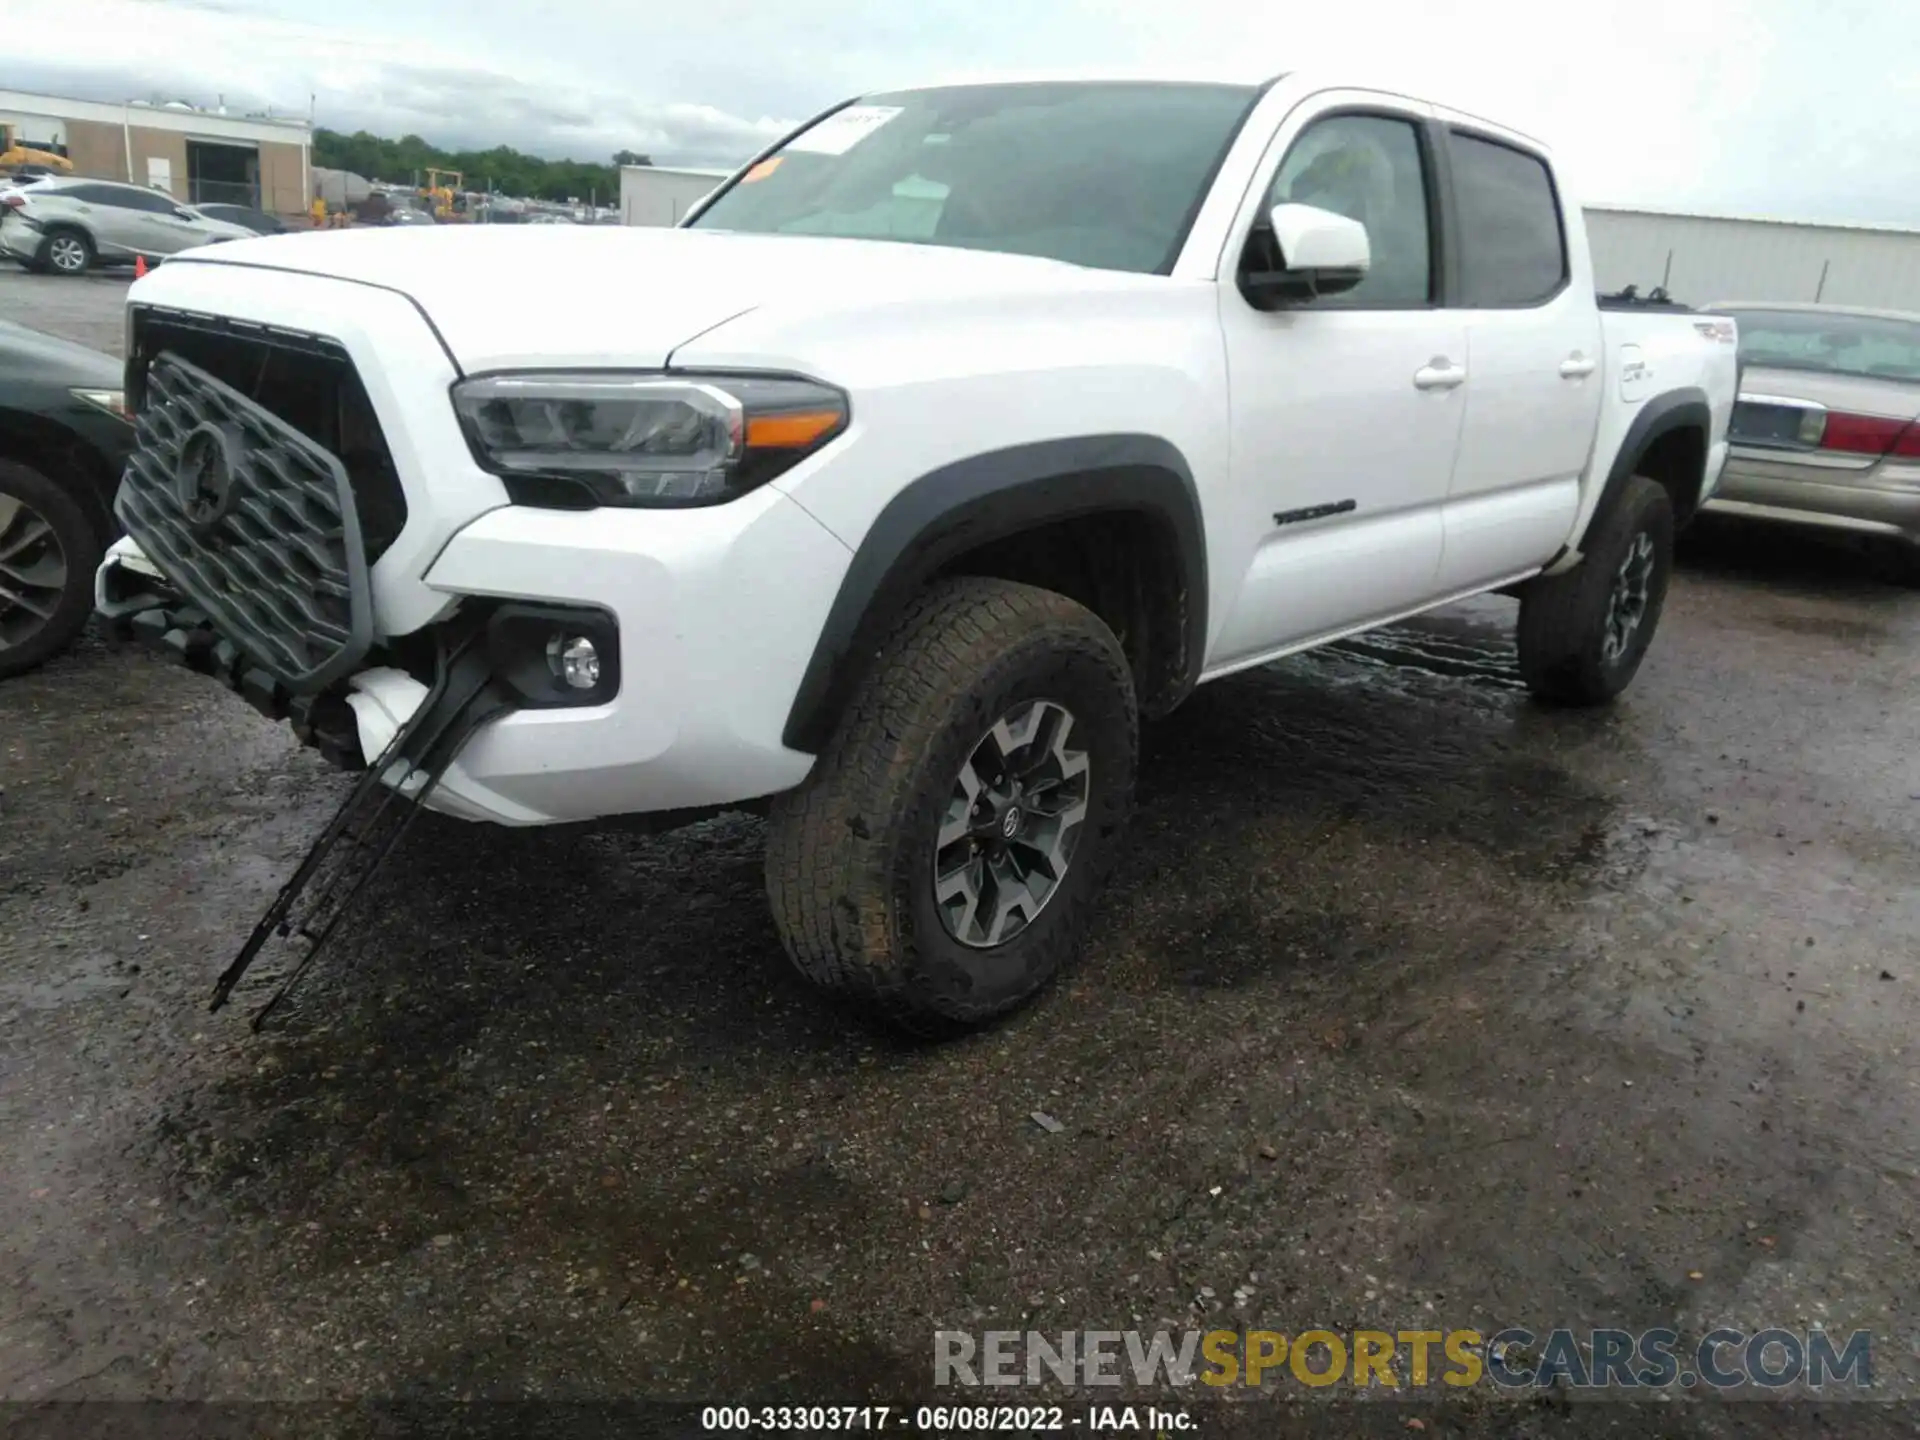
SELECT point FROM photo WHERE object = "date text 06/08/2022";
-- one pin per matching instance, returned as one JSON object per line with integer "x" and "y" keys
{"x": 948, "y": 1419}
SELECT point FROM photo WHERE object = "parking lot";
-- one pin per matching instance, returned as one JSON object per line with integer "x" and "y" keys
{"x": 1415, "y": 1006}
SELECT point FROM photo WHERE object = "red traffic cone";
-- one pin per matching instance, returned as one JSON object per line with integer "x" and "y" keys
{"x": 139, "y": 267}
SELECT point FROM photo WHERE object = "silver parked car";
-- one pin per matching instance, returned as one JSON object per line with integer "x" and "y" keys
{"x": 69, "y": 226}
{"x": 1827, "y": 428}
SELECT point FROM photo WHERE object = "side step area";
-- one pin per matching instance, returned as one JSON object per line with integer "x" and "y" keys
{"x": 383, "y": 804}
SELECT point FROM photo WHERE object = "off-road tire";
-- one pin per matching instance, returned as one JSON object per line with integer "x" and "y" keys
{"x": 80, "y": 549}
{"x": 1564, "y": 618}
{"x": 850, "y": 853}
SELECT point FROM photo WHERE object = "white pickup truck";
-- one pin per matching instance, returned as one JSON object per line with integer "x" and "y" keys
{"x": 945, "y": 441}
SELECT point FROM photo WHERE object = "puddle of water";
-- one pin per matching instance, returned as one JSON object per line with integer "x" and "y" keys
{"x": 1483, "y": 660}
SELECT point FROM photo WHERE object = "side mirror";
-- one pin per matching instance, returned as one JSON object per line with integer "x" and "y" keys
{"x": 1319, "y": 253}
{"x": 180, "y": 214}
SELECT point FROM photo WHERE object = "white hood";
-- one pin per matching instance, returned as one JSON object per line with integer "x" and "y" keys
{"x": 503, "y": 296}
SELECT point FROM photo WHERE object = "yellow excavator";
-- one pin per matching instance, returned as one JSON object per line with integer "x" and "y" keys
{"x": 14, "y": 154}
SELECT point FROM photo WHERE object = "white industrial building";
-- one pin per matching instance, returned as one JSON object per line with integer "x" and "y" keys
{"x": 661, "y": 195}
{"x": 195, "y": 155}
{"x": 1708, "y": 259}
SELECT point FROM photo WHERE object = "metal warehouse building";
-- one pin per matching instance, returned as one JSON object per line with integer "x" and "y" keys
{"x": 661, "y": 195}
{"x": 1708, "y": 259}
{"x": 196, "y": 156}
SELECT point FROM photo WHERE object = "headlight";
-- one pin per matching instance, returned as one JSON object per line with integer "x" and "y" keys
{"x": 114, "y": 402}
{"x": 586, "y": 439}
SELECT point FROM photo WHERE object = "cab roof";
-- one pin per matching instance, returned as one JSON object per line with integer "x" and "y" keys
{"x": 1249, "y": 76}
{"x": 1254, "y": 75}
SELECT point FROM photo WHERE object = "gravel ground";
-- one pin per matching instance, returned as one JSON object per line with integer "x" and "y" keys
{"x": 1427, "y": 1007}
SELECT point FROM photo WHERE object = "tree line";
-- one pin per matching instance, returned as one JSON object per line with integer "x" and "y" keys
{"x": 502, "y": 169}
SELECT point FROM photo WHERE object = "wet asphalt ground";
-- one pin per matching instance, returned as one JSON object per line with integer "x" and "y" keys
{"x": 1414, "y": 1007}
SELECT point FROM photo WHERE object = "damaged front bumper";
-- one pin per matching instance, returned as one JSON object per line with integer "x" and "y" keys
{"x": 136, "y": 602}
{"x": 355, "y": 721}
{"x": 406, "y": 732}
{"x": 713, "y": 612}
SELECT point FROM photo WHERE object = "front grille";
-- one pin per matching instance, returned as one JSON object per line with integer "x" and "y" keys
{"x": 253, "y": 520}
{"x": 308, "y": 381}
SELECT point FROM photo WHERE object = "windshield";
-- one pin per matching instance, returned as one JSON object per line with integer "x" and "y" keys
{"x": 1839, "y": 344}
{"x": 1105, "y": 175}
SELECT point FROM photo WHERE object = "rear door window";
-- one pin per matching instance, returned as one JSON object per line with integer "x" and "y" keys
{"x": 152, "y": 201}
{"x": 121, "y": 197}
{"x": 87, "y": 194}
{"x": 1513, "y": 247}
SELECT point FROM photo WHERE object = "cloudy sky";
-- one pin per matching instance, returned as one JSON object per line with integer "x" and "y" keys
{"x": 1779, "y": 107}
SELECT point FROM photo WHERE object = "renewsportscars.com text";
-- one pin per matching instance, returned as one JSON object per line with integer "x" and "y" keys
{"x": 1514, "y": 1358}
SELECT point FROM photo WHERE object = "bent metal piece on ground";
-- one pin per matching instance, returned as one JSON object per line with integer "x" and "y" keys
{"x": 905, "y": 539}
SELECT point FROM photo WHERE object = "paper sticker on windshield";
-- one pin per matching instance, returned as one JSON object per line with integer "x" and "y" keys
{"x": 844, "y": 129}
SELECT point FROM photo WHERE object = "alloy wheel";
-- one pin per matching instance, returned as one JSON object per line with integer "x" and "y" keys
{"x": 67, "y": 254}
{"x": 1627, "y": 603}
{"x": 1011, "y": 825}
{"x": 33, "y": 572}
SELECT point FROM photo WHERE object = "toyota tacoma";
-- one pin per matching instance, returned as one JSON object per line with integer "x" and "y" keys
{"x": 942, "y": 444}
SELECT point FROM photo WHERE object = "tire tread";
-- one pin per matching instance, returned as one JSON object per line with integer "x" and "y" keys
{"x": 1560, "y": 615}
{"x": 829, "y": 850}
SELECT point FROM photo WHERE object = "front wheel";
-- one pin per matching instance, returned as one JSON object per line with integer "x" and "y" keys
{"x": 941, "y": 862}
{"x": 1583, "y": 634}
{"x": 48, "y": 552}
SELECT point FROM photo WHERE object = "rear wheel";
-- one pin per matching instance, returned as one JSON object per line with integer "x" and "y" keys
{"x": 941, "y": 862}
{"x": 68, "y": 252}
{"x": 1583, "y": 634}
{"x": 48, "y": 553}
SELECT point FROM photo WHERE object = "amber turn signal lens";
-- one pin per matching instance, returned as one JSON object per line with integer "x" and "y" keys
{"x": 790, "y": 432}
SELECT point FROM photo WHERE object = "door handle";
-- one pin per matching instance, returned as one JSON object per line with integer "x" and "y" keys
{"x": 1576, "y": 367}
{"x": 1438, "y": 373}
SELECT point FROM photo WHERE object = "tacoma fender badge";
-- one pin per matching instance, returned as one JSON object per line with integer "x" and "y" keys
{"x": 1315, "y": 512}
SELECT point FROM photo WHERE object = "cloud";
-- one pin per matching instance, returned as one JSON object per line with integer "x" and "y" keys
{"x": 257, "y": 62}
{"x": 1775, "y": 106}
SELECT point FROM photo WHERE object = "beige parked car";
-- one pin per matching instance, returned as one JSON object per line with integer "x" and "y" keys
{"x": 1827, "y": 428}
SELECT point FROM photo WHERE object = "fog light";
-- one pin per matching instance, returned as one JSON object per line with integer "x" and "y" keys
{"x": 575, "y": 661}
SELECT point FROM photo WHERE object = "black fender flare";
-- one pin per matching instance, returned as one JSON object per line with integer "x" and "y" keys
{"x": 949, "y": 511}
{"x": 1682, "y": 409}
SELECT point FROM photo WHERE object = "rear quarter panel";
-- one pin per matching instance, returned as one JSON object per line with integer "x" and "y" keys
{"x": 1649, "y": 359}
